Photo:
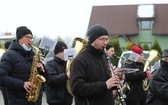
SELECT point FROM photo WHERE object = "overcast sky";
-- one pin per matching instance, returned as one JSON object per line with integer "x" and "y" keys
{"x": 53, "y": 18}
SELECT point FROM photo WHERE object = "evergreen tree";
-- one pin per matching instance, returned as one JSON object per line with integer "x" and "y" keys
{"x": 145, "y": 46}
{"x": 129, "y": 45}
{"x": 156, "y": 46}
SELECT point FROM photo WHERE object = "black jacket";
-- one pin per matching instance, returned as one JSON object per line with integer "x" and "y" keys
{"x": 134, "y": 80}
{"x": 88, "y": 78}
{"x": 56, "y": 91}
{"x": 15, "y": 67}
{"x": 158, "y": 86}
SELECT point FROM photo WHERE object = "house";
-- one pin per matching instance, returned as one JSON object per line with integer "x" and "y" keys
{"x": 137, "y": 23}
{"x": 6, "y": 37}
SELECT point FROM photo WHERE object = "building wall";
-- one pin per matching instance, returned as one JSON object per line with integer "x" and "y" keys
{"x": 146, "y": 36}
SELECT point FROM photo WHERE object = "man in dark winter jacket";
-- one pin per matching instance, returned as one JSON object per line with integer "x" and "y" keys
{"x": 56, "y": 91}
{"x": 158, "y": 84}
{"x": 90, "y": 79}
{"x": 15, "y": 67}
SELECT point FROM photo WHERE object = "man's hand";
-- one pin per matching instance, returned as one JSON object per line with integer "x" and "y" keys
{"x": 114, "y": 81}
{"x": 40, "y": 67}
{"x": 28, "y": 86}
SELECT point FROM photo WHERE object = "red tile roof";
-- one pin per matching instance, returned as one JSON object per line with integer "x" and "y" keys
{"x": 122, "y": 19}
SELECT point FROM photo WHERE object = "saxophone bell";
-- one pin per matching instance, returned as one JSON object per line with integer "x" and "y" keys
{"x": 40, "y": 78}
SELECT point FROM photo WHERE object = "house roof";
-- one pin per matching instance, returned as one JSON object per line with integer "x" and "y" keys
{"x": 161, "y": 23}
{"x": 122, "y": 19}
{"x": 7, "y": 37}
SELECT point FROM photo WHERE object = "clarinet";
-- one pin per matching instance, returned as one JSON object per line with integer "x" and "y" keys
{"x": 112, "y": 72}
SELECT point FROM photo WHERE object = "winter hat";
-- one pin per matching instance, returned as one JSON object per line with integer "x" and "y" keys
{"x": 96, "y": 31}
{"x": 136, "y": 49}
{"x": 7, "y": 44}
{"x": 108, "y": 46}
{"x": 165, "y": 53}
{"x": 22, "y": 31}
{"x": 60, "y": 46}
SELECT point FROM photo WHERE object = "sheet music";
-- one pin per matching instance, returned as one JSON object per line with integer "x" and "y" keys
{"x": 47, "y": 44}
{"x": 133, "y": 56}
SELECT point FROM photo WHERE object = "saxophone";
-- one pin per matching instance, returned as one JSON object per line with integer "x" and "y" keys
{"x": 35, "y": 78}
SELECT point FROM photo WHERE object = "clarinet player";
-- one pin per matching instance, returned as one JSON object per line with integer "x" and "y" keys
{"x": 90, "y": 79}
{"x": 15, "y": 68}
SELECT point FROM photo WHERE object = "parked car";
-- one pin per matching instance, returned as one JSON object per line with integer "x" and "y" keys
{"x": 125, "y": 55}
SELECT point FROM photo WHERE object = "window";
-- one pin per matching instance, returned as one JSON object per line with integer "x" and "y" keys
{"x": 145, "y": 25}
{"x": 148, "y": 43}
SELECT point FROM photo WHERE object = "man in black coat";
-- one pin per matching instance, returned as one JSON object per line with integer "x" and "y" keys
{"x": 15, "y": 68}
{"x": 158, "y": 84}
{"x": 56, "y": 91}
{"x": 90, "y": 79}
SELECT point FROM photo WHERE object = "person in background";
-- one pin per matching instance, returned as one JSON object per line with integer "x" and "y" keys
{"x": 90, "y": 80}
{"x": 4, "y": 94}
{"x": 158, "y": 83}
{"x": 136, "y": 95}
{"x": 56, "y": 91}
{"x": 15, "y": 68}
{"x": 110, "y": 50}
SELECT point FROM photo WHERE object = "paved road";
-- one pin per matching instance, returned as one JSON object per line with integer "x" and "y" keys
{"x": 2, "y": 101}
{"x": 44, "y": 99}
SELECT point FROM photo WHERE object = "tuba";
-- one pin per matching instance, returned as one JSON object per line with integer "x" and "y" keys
{"x": 79, "y": 45}
{"x": 35, "y": 78}
{"x": 153, "y": 56}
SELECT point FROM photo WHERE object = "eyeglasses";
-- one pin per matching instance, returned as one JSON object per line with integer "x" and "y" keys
{"x": 28, "y": 37}
{"x": 103, "y": 39}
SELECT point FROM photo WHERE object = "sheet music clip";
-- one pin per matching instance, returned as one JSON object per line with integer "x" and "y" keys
{"x": 69, "y": 54}
{"x": 127, "y": 70}
{"x": 70, "y": 57}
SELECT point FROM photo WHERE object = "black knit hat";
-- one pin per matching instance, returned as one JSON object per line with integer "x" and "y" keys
{"x": 108, "y": 46}
{"x": 22, "y": 31}
{"x": 7, "y": 44}
{"x": 60, "y": 46}
{"x": 165, "y": 53}
{"x": 96, "y": 31}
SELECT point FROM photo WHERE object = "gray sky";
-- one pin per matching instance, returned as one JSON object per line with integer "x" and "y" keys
{"x": 53, "y": 18}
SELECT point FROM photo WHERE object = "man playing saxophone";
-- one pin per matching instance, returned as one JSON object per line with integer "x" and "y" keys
{"x": 15, "y": 69}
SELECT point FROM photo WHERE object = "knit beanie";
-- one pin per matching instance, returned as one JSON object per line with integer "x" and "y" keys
{"x": 165, "y": 53}
{"x": 22, "y": 31}
{"x": 60, "y": 46}
{"x": 108, "y": 46}
{"x": 96, "y": 31}
{"x": 7, "y": 44}
{"x": 136, "y": 49}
